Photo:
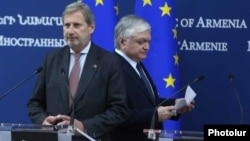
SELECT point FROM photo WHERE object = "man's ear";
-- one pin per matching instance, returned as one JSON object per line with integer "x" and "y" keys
{"x": 122, "y": 42}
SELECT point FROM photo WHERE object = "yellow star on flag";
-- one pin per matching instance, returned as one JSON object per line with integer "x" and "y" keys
{"x": 116, "y": 9}
{"x": 169, "y": 81}
{"x": 176, "y": 59}
{"x": 97, "y": 2}
{"x": 165, "y": 9}
{"x": 145, "y": 2}
{"x": 175, "y": 33}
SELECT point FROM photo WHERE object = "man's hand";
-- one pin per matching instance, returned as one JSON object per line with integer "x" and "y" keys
{"x": 164, "y": 113}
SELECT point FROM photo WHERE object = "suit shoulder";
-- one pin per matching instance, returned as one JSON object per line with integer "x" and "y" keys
{"x": 57, "y": 51}
{"x": 104, "y": 51}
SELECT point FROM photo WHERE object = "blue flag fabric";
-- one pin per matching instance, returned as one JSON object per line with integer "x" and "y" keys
{"x": 162, "y": 59}
{"x": 106, "y": 17}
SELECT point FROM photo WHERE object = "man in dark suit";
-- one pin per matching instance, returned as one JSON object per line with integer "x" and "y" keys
{"x": 99, "y": 100}
{"x": 132, "y": 37}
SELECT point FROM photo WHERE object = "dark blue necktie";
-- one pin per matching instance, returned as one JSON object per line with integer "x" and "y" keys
{"x": 145, "y": 79}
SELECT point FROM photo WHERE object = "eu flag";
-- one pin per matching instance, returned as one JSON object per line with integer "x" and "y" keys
{"x": 162, "y": 59}
{"x": 106, "y": 17}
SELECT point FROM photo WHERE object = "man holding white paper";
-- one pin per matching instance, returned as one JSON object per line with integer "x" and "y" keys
{"x": 189, "y": 98}
{"x": 132, "y": 37}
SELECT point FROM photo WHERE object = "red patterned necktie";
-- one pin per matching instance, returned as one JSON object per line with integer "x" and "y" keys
{"x": 74, "y": 77}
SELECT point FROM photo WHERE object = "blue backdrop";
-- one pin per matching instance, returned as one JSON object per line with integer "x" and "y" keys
{"x": 213, "y": 39}
{"x": 28, "y": 30}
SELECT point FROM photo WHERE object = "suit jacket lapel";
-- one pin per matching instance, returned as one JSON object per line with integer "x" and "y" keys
{"x": 64, "y": 56}
{"x": 90, "y": 67}
{"x": 151, "y": 82}
{"x": 133, "y": 74}
{"x": 139, "y": 82}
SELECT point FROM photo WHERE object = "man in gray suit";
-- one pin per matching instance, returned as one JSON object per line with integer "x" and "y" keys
{"x": 99, "y": 100}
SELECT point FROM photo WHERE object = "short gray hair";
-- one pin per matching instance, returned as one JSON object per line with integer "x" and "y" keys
{"x": 79, "y": 6}
{"x": 128, "y": 26}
